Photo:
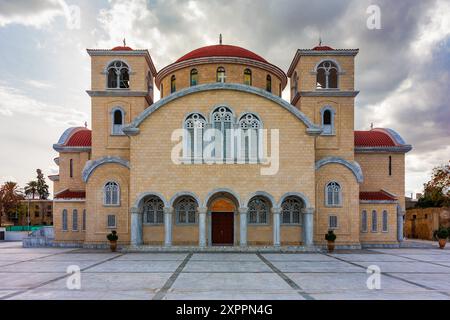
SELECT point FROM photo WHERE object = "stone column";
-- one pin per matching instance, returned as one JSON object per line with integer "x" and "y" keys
{"x": 308, "y": 226}
{"x": 276, "y": 226}
{"x": 202, "y": 227}
{"x": 400, "y": 214}
{"x": 136, "y": 227}
{"x": 243, "y": 226}
{"x": 168, "y": 213}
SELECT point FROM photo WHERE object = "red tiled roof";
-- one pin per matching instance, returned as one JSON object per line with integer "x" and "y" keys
{"x": 82, "y": 138}
{"x": 68, "y": 194}
{"x": 221, "y": 50}
{"x": 373, "y": 139}
{"x": 322, "y": 48}
{"x": 121, "y": 48}
{"x": 376, "y": 196}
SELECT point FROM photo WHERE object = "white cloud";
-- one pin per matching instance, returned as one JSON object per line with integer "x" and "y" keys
{"x": 14, "y": 101}
{"x": 39, "y": 84}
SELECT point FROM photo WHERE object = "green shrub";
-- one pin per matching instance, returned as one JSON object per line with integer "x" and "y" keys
{"x": 442, "y": 233}
{"x": 112, "y": 236}
{"x": 330, "y": 236}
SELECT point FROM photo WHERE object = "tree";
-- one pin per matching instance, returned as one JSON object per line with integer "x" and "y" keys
{"x": 42, "y": 187}
{"x": 10, "y": 196}
{"x": 437, "y": 190}
{"x": 31, "y": 189}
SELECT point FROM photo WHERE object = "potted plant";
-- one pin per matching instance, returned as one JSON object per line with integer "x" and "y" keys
{"x": 113, "y": 237}
{"x": 442, "y": 235}
{"x": 330, "y": 237}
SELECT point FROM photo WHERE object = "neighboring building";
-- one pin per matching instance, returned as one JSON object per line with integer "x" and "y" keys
{"x": 122, "y": 175}
{"x": 40, "y": 213}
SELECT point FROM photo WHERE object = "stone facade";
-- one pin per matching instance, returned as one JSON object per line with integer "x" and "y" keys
{"x": 291, "y": 206}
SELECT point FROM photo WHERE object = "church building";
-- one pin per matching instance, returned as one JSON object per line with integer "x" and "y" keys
{"x": 221, "y": 159}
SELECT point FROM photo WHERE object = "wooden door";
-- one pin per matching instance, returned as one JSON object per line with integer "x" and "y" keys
{"x": 222, "y": 225}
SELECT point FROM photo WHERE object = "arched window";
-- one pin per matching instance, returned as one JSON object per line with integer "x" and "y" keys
{"x": 118, "y": 75}
{"x": 186, "y": 209}
{"x": 258, "y": 211}
{"x": 222, "y": 119}
{"x": 248, "y": 77}
{"x": 364, "y": 221}
{"x": 250, "y": 138}
{"x": 83, "y": 224}
{"x": 374, "y": 221}
{"x": 71, "y": 168}
{"x": 385, "y": 221}
{"x": 64, "y": 220}
{"x": 118, "y": 121}
{"x": 111, "y": 194}
{"x": 327, "y": 120}
{"x": 75, "y": 220}
{"x": 269, "y": 83}
{"x": 291, "y": 210}
{"x": 327, "y": 75}
{"x": 333, "y": 194}
{"x": 173, "y": 84}
{"x": 221, "y": 74}
{"x": 194, "y": 77}
{"x": 295, "y": 83}
{"x": 153, "y": 210}
{"x": 194, "y": 129}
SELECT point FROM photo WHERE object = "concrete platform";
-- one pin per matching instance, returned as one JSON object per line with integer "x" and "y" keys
{"x": 41, "y": 273}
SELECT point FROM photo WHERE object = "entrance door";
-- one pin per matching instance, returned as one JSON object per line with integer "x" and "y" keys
{"x": 222, "y": 228}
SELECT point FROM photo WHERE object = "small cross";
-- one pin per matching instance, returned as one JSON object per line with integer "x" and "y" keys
{"x": 85, "y": 124}
{"x": 320, "y": 41}
{"x": 371, "y": 126}
{"x": 124, "y": 42}
{"x": 220, "y": 39}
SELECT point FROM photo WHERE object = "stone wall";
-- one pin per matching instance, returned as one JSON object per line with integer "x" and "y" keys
{"x": 421, "y": 223}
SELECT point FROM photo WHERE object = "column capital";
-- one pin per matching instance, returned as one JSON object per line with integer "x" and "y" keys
{"x": 275, "y": 210}
{"x": 134, "y": 210}
{"x": 308, "y": 210}
{"x": 202, "y": 210}
{"x": 243, "y": 210}
{"x": 168, "y": 210}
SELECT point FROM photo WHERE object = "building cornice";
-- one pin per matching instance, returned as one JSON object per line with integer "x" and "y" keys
{"x": 229, "y": 60}
{"x": 145, "y": 53}
{"x": 328, "y": 93}
{"x": 310, "y": 52}
{"x": 60, "y": 148}
{"x": 133, "y": 127}
{"x": 395, "y": 149}
{"x": 378, "y": 201}
{"x": 54, "y": 177}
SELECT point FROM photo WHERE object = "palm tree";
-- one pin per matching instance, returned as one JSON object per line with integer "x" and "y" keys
{"x": 31, "y": 189}
{"x": 10, "y": 196}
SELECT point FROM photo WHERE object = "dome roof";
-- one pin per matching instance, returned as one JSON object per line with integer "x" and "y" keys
{"x": 75, "y": 137}
{"x": 221, "y": 50}
{"x": 122, "y": 48}
{"x": 322, "y": 48}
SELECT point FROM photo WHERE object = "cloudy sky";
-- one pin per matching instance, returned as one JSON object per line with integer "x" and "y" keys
{"x": 402, "y": 70}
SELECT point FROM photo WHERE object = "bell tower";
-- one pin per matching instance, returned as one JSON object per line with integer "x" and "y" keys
{"x": 322, "y": 87}
{"x": 122, "y": 82}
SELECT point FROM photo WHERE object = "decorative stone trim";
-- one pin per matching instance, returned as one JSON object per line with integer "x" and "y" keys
{"x": 352, "y": 165}
{"x": 59, "y": 148}
{"x": 329, "y": 93}
{"x": 91, "y": 165}
{"x": 378, "y": 201}
{"x": 263, "y": 194}
{"x": 222, "y": 190}
{"x": 294, "y": 194}
{"x": 183, "y": 194}
{"x": 133, "y": 128}
{"x": 117, "y": 93}
{"x": 141, "y": 197}
{"x": 54, "y": 177}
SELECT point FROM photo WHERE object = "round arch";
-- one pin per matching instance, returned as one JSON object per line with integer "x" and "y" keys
{"x": 295, "y": 194}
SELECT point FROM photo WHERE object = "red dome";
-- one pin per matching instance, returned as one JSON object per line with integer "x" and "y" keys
{"x": 373, "y": 139}
{"x": 322, "y": 48}
{"x": 81, "y": 138}
{"x": 121, "y": 48}
{"x": 221, "y": 50}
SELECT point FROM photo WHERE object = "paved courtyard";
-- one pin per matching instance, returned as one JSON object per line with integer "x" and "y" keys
{"x": 41, "y": 273}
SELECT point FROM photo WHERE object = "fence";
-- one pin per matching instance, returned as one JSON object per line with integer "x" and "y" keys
{"x": 23, "y": 228}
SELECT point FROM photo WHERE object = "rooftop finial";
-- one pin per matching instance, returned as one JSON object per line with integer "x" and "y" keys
{"x": 320, "y": 41}
{"x": 371, "y": 126}
{"x": 85, "y": 124}
{"x": 124, "y": 42}
{"x": 220, "y": 39}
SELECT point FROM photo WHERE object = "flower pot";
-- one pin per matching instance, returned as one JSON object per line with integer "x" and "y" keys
{"x": 113, "y": 245}
{"x": 442, "y": 243}
{"x": 330, "y": 246}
